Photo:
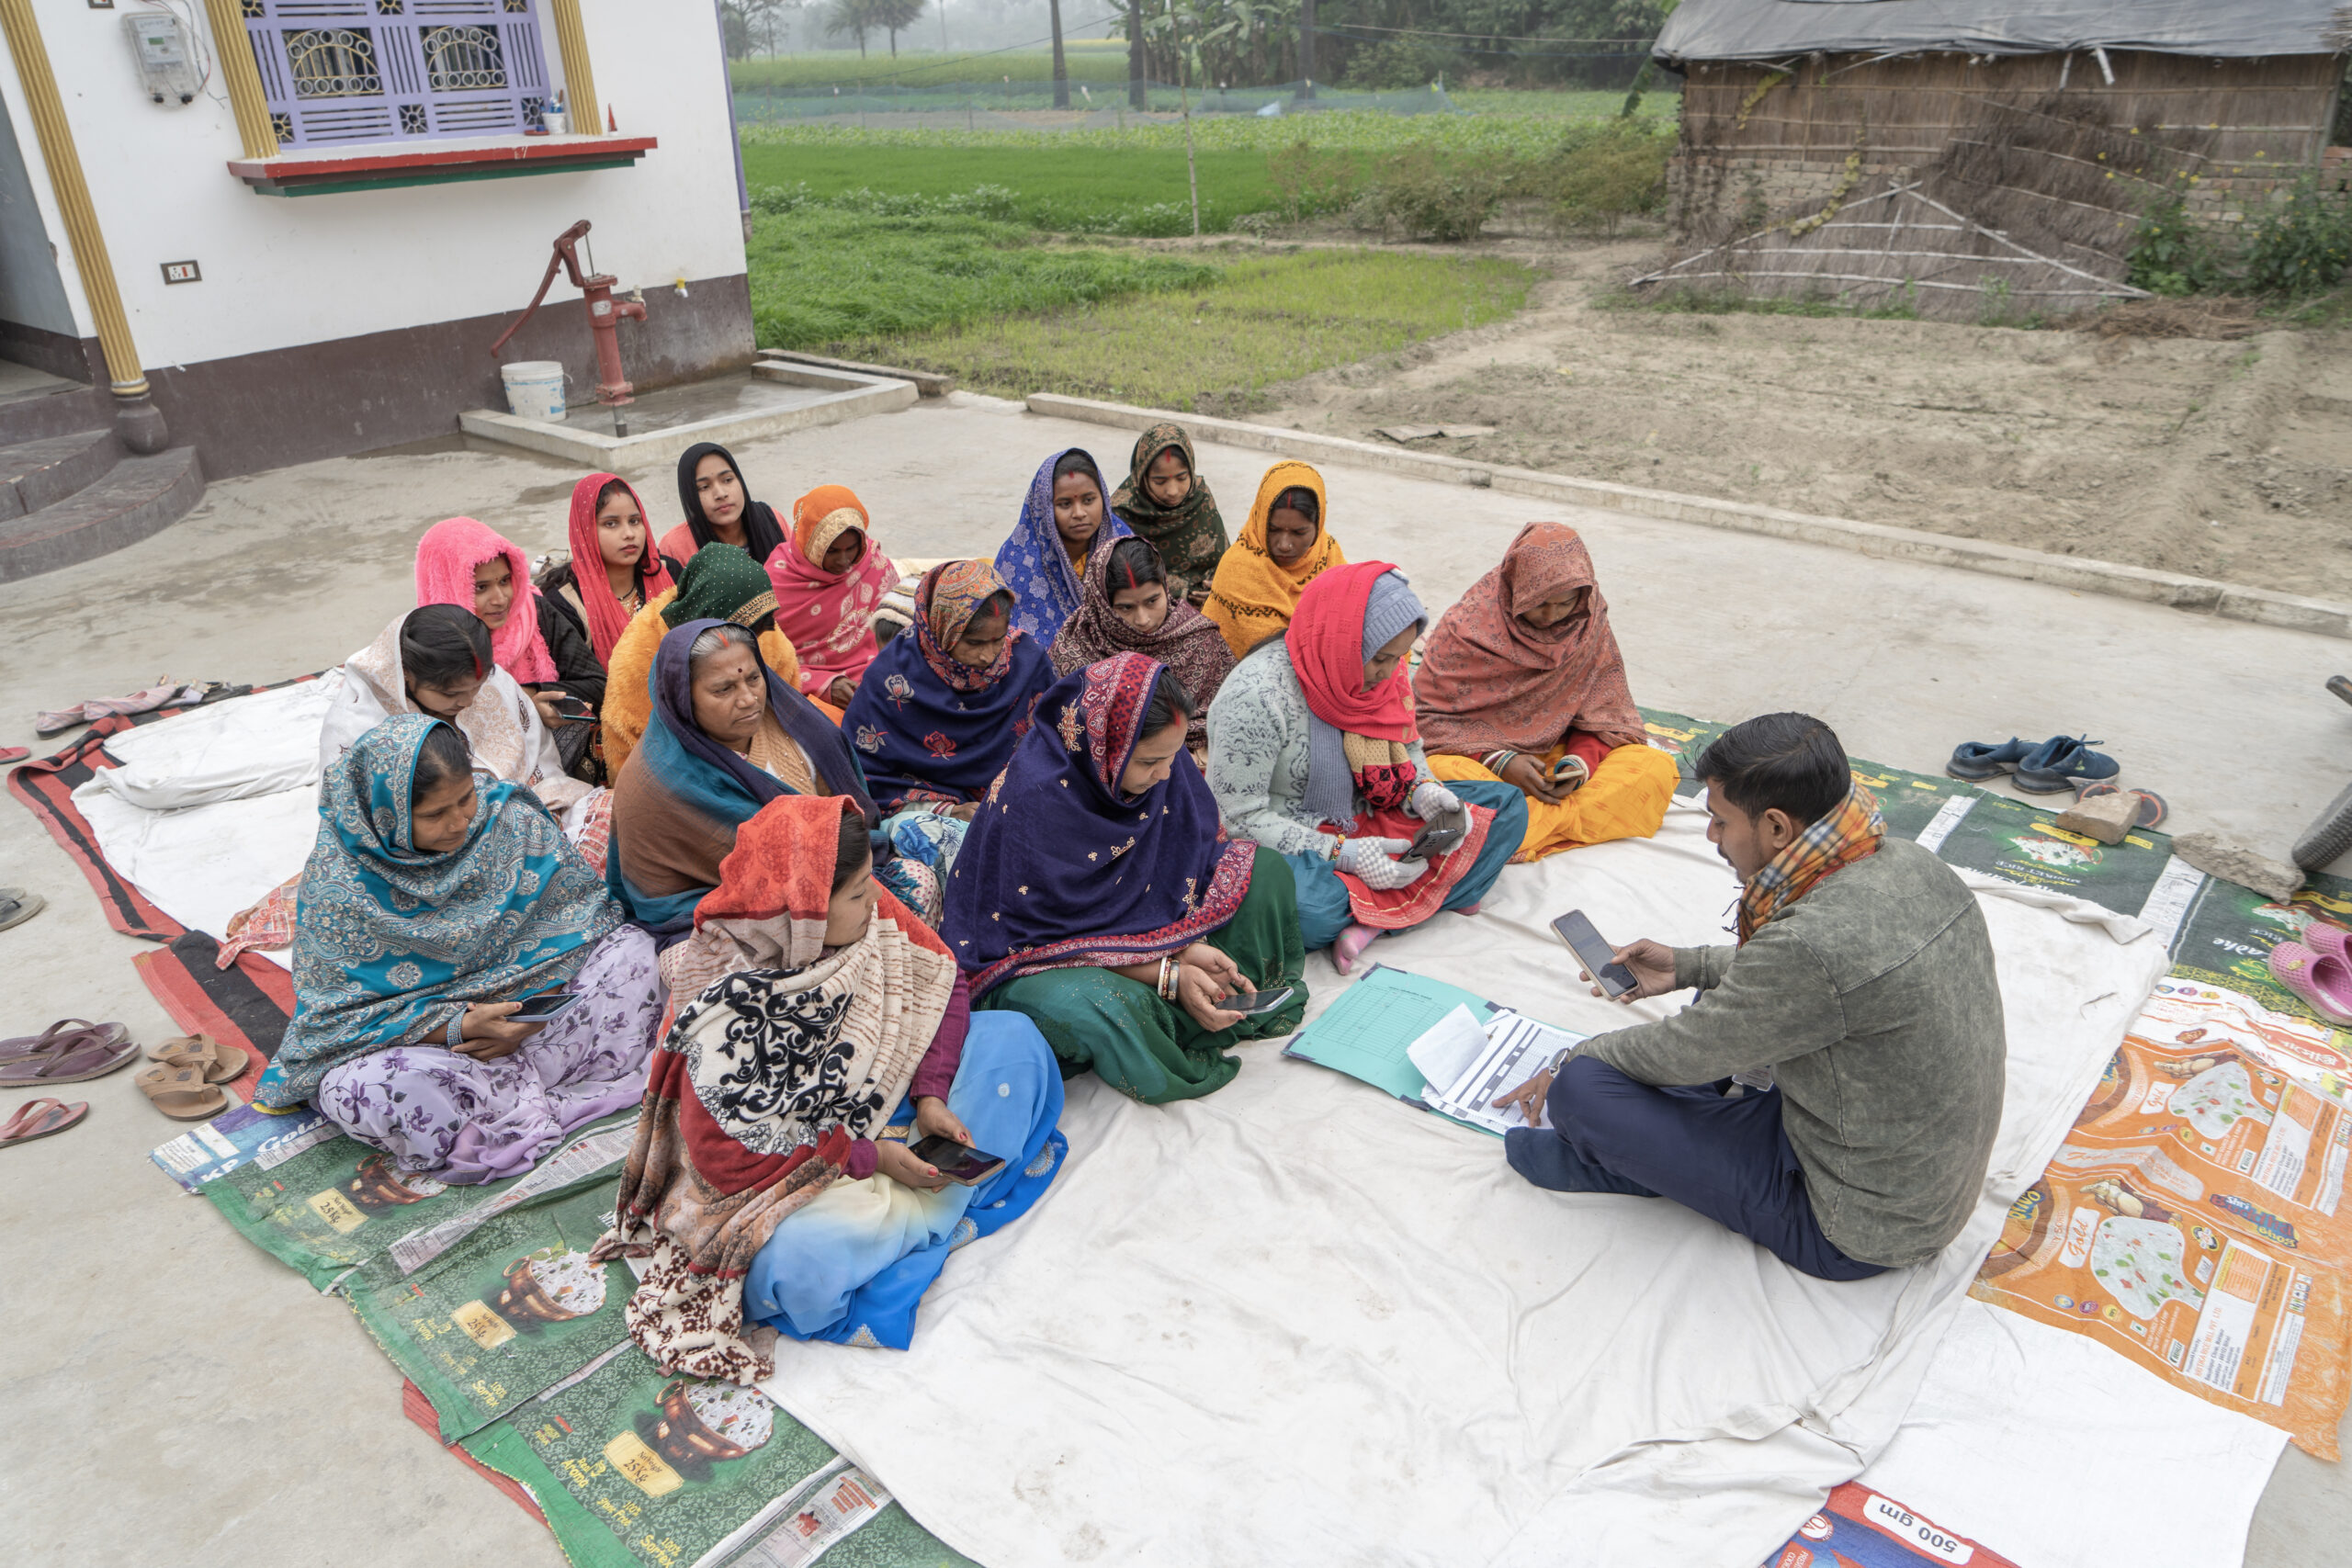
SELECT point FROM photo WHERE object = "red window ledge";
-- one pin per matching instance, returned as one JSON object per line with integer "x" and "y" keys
{"x": 375, "y": 167}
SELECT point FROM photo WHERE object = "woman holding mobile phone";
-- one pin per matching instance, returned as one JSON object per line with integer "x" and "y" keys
{"x": 1094, "y": 894}
{"x": 1523, "y": 685}
{"x": 435, "y": 899}
{"x": 1314, "y": 753}
{"x": 824, "y": 1026}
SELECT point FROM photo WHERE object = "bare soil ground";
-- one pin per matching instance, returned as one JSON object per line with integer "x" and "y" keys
{"x": 2223, "y": 458}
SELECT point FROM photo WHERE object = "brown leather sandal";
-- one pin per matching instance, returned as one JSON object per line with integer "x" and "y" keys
{"x": 217, "y": 1063}
{"x": 181, "y": 1093}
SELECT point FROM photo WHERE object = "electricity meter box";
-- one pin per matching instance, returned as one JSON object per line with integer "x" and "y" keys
{"x": 159, "y": 43}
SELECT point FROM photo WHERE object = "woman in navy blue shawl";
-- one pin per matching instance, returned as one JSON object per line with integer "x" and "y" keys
{"x": 930, "y": 728}
{"x": 683, "y": 793}
{"x": 1066, "y": 879}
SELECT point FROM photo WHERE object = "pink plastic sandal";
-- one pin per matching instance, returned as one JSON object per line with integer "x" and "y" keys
{"x": 1350, "y": 946}
{"x": 2322, "y": 980}
{"x": 2329, "y": 942}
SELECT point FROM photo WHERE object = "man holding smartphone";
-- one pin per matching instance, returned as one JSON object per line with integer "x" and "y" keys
{"x": 1863, "y": 983}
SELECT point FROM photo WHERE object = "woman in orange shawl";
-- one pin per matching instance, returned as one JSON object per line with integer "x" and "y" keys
{"x": 1522, "y": 682}
{"x": 1285, "y": 545}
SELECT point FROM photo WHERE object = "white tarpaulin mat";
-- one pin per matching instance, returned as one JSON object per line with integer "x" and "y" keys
{"x": 211, "y": 809}
{"x": 2056, "y": 1452}
{"x": 1300, "y": 1321}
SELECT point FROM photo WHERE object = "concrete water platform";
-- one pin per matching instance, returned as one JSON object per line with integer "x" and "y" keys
{"x": 772, "y": 399}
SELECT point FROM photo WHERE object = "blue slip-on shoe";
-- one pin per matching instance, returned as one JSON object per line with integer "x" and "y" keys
{"x": 2062, "y": 763}
{"x": 1974, "y": 759}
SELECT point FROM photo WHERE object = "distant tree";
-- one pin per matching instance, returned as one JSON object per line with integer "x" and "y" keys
{"x": 853, "y": 16}
{"x": 897, "y": 17}
{"x": 738, "y": 38}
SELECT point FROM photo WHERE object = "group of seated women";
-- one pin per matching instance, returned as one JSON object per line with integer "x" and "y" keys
{"x": 822, "y": 883}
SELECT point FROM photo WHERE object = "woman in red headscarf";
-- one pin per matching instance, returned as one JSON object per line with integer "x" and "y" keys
{"x": 1314, "y": 753}
{"x": 1523, "y": 683}
{"x": 613, "y": 568}
{"x": 830, "y": 578}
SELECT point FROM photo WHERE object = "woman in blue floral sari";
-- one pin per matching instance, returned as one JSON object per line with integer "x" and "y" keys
{"x": 1065, "y": 518}
{"x": 437, "y": 899}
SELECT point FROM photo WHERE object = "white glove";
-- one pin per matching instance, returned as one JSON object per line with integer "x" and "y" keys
{"x": 1432, "y": 800}
{"x": 1367, "y": 860}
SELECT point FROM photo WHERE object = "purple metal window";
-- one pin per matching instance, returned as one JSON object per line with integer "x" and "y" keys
{"x": 345, "y": 71}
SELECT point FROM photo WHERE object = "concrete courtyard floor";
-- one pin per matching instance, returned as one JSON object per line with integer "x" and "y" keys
{"x": 255, "y": 1424}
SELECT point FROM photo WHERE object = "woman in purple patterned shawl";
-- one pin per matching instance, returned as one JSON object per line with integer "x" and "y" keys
{"x": 1096, "y": 894}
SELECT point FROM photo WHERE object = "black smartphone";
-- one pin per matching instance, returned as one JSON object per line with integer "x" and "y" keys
{"x": 1252, "y": 1003}
{"x": 545, "y": 1006}
{"x": 575, "y": 710}
{"x": 960, "y": 1162}
{"x": 1434, "y": 840}
{"x": 1597, "y": 956}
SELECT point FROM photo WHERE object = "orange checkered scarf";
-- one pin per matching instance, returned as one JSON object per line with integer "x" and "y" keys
{"x": 1852, "y": 831}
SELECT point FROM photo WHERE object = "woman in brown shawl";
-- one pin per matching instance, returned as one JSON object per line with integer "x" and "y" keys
{"x": 1166, "y": 500}
{"x": 1130, "y": 604}
{"x": 1522, "y": 682}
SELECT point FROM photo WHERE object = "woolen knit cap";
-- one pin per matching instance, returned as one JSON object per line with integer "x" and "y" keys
{"x": 1389, "y": 610}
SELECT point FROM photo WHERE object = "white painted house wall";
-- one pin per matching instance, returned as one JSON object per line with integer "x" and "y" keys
{"x": 279, "y": 271}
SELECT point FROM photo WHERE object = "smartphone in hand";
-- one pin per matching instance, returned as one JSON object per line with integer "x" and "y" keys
{"x": 959, "y": 1163}
{"x": 1599, "y": 959}
{"x": 547, "y": 1005}
{"x": 1250, "y": 1004}
{"x": 1434, "y": 840}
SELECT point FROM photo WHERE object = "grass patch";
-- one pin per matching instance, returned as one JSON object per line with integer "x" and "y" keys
{"x": 1067, "y": 193}
{"x": 1216, "y": 344}
{"x": 827, "y": 275}
{"x": 1734, "y": 302}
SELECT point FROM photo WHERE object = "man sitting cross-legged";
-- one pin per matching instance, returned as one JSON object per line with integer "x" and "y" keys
{"x": 1863, "y": 979}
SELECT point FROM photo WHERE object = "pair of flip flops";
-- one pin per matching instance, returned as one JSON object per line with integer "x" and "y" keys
{"x": 182, "y": 1083}
{"x": 2318, "y": 969}
{"x": 2048, "y": 767}
{"x": 71, "y": 1049}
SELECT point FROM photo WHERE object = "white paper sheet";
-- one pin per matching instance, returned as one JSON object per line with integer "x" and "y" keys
{"x": 1295, "y": 1320}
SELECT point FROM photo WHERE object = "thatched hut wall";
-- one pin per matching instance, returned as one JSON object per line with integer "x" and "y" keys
{"x": 1759, "y": 140}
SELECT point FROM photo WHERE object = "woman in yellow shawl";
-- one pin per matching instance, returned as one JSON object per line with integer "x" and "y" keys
{"x": 1285, "y": 545}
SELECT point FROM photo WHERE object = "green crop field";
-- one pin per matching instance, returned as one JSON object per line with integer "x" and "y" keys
{"x": 1054, "y": 187}
{"x": 1215, "y": 346}
{"x": 828, "y": 276}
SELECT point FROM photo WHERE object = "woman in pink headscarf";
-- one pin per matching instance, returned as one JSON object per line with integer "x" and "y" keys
{"x": 462, "y": 562}
{"x": 829, "y": 578}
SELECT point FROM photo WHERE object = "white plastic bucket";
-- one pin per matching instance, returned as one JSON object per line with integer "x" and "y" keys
{"x": 533, "y": 389}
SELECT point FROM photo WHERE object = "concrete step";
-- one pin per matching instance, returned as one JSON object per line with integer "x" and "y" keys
{"x": 137, "y": 497}
{"x": 56, "y": 412}
{"x": 34, "y": 474}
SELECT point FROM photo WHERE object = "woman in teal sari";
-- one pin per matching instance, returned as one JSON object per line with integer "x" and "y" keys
{"x": 436, "y": 899}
